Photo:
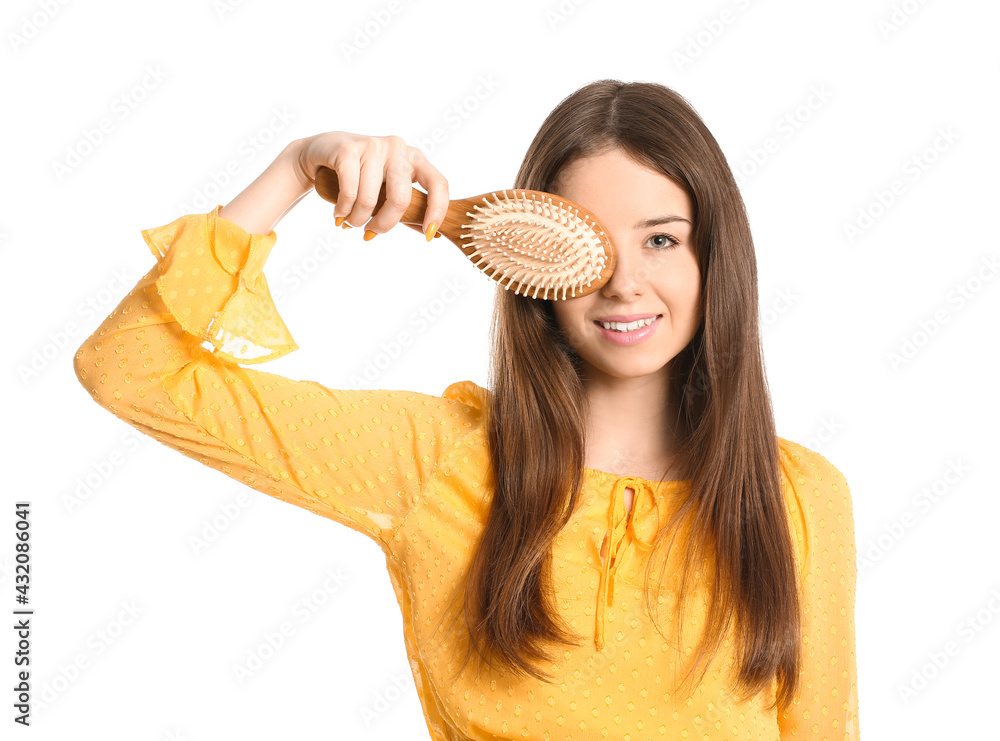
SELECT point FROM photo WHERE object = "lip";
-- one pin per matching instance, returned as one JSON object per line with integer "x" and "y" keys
{"x": 624, "y": 317}
{"x": 629, "y": 338}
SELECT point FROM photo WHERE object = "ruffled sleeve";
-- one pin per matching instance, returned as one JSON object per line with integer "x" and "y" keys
{"x": 213, "y": 284}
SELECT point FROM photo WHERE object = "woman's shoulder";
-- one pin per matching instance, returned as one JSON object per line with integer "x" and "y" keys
{"x": 818, "y": 497}
{"x": 469, "y": 393}
{"x": 803, "y": 466}
{"x": 467, "y": 404}
{"x": 463, "y": 457}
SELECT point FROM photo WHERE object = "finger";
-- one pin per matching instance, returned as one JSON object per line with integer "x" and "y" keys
{"x": 347, "y": 167}
{"x": 398, "y": 191}
{"x": 436, "y": 186}
{"x": 369, "y": 185}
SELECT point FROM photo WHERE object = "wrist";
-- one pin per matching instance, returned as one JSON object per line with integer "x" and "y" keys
{"x": 264, "y": 202}
{"x": 292, "y": 156}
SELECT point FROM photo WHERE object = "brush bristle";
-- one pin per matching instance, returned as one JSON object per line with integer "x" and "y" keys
{"x": 538, "y": 244}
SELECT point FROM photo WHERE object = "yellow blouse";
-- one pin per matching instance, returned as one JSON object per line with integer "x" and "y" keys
{"x": 410, "y": 470}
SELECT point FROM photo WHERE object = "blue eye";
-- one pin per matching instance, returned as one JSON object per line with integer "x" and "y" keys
{"x": 671, "y": 242}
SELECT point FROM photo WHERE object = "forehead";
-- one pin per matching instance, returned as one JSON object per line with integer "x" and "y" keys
{"x": 614, "y": 184}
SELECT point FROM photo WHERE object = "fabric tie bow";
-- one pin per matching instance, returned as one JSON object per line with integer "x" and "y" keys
{"x": 636, "y": 526}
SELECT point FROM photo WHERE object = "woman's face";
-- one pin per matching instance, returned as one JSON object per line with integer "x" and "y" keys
{"x": 642, "y": 211}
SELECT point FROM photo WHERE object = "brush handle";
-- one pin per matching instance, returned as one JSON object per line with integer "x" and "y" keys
{"x": 328, "y": 187}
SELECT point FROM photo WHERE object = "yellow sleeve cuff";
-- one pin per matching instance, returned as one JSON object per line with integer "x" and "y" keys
{"x": 211, "y": 279}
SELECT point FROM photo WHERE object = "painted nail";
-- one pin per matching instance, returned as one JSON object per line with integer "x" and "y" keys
{"x": 347, "y": 225}
{"x": 369, "y": 234}
{"x": 430, "y": 231}
{"x": 339, "y": 221}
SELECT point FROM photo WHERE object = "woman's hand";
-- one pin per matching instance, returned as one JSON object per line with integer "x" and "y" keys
{"x": 362, "y": 164}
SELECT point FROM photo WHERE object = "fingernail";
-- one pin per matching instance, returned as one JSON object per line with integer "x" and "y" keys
{"x": 430, "y": 231}
{"x": 346, "y": 225}
{"x": 339, "y": 221}
{"x": 369, "y": 234}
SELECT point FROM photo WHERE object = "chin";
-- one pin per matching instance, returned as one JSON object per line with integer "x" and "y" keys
{"x": 629, "y": 370}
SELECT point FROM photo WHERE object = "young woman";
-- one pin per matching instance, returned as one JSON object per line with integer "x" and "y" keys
{"x": 610, "y": 541}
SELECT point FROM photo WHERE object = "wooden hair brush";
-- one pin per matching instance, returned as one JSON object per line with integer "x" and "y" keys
{"x": 531, "y": 242}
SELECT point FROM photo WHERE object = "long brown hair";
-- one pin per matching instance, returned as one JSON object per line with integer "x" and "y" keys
{"x": 726, "y": 444}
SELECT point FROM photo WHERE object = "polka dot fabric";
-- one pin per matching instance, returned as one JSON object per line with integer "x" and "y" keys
{"x": 410, "y": 470}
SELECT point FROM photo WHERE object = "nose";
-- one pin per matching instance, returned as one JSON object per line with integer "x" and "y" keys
{"x": 627, "y": 278}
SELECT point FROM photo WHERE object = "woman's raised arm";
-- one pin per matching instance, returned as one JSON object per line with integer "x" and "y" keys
{"x": 359, "y": 457}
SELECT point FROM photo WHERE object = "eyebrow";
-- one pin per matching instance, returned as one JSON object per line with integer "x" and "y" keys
{"x": 659, "y": 220}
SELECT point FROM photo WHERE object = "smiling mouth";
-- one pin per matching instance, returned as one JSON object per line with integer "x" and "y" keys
{"x": 627, "y": 326}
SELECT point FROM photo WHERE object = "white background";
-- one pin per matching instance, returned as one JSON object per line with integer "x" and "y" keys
{"x": 894, "y": 76}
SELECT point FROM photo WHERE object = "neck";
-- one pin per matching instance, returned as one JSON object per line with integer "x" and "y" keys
{"x": 629, "y": 425}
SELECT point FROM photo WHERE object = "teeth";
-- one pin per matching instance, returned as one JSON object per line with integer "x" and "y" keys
{"x": 628, "y": 326}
